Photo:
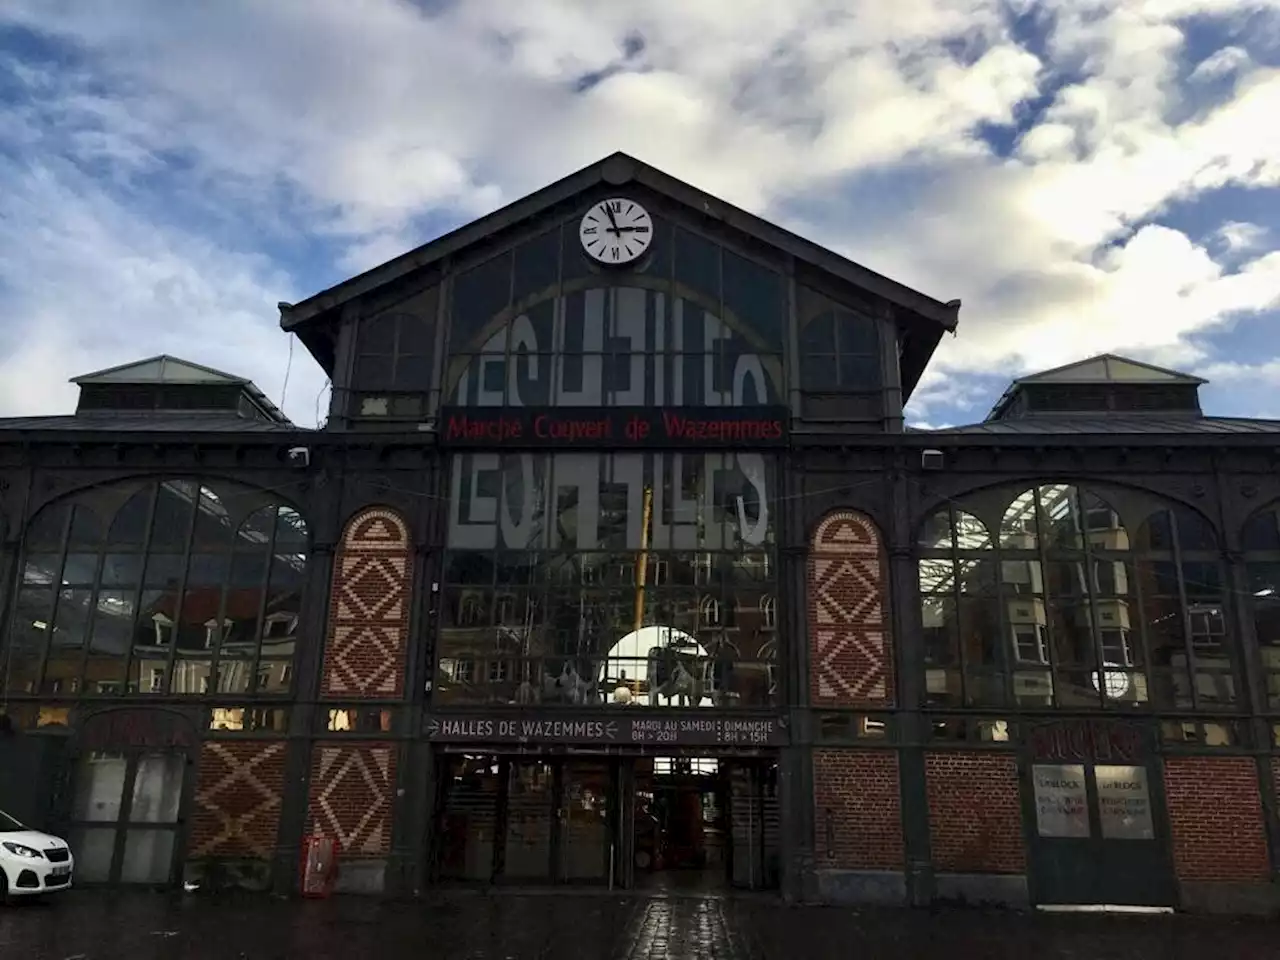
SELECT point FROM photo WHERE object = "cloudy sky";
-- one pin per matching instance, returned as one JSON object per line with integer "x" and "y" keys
{"x": 1086, "y": 175}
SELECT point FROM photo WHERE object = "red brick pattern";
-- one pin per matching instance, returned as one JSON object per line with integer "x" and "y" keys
{"x": 852, "y": 657}
{"x": 1215, "y": 817}
{"x": 237, "y": 799}
{"x": 859, "y": 822}
{"x": 369, "y": 609}
{"x": 351, "y": 792}
{"x": 975, "y": 821}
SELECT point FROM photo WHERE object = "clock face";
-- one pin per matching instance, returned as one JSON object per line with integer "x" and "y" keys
{"x": 616, "y": 231}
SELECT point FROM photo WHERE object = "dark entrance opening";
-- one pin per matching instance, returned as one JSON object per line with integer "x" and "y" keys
{"x": 682, "y": 823}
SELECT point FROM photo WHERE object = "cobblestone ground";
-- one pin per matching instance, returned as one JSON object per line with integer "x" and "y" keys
{"x": 82, "y": 925}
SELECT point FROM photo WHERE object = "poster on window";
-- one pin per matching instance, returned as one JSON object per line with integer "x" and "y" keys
{"x": 1124, "y": 803}
{"x": 1062, "y": 808}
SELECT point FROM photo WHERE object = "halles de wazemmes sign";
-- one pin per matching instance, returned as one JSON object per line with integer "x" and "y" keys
{"x": 608, "y": 730}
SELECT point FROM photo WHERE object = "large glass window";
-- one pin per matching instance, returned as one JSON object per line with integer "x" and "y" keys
{"x": 1262, "y": 555}
{"x": 628, "y": 579}
{"x": 393, "y": 352}
{"x": 175, "y": 587}
{"x": 693, "y": 324}
{"x": 839, "y": 359}
{"x": 1060, "y": 607}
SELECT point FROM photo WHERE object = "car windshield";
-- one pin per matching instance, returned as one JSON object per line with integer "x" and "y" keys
{"x": 8, "y": 824}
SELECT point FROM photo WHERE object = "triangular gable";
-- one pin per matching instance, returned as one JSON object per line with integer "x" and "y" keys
{"x": 161, "y": 369}
{"x": 1109, "y": 368}
{"x": 618, "y": 170}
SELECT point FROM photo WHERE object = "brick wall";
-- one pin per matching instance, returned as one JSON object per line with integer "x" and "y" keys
{"x": 369, "y": 609}
{"x": 850, "y": 650}
{"x": 1215, "y": 817}
{"x": 975, "y": 820}
{"x": 352, "y": 787}
{"x": 236, "y": 811}
{"x": 856, "y": 812}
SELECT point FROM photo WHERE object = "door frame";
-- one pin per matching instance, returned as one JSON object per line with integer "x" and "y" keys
{"x": 134, "y": 730}
{"x": 1090, "y": 743}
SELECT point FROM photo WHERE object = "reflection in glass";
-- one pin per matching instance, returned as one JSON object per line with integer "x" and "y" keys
{"x": 626, "y": 579}
{"x": 1090, "y": 616}
{"x": 185, "y": 568}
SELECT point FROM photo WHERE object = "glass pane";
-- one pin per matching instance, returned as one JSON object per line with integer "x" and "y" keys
{"x": 1124, "y": 803}
{"x": 148, "y": 856}
{"x": 130, "y": 523}
{"x": 93, "y": 849}
{"x": 585, "y": 821}
{"x": 157, "y": 788}
{"x": 529, "y": 812}
{"x": 100, "y": 787}
{"x": 1061, "y": 802}
{"x": 1018, "y": 528}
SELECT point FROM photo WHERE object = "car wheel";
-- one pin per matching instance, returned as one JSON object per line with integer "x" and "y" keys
{"x": 4, "y": 889}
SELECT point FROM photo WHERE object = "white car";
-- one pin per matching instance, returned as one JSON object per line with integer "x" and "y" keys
{"x": 31, "y": 862}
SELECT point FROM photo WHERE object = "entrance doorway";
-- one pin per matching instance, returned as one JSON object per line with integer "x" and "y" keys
{"x": 1095, "y": 815}
{"x": 526, "y": 820}
{"x": 125, "y": 819}
{"x": 687, "y": 823}
{"x": 704, "y": 824}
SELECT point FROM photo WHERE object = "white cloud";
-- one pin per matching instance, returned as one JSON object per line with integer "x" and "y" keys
{"x": 1236, "y": 236}
{"x": 376, "y": 113}
{"x": 91, "y": 285}
{"x": 1221, "y": 63}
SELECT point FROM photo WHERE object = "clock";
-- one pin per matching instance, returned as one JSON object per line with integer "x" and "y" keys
{"x": 616, "y": 231}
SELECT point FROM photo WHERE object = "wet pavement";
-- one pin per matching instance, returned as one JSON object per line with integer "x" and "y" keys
{"x": 86, "y": 925}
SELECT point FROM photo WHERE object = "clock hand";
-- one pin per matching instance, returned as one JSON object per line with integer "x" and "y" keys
{"x": 613, "y": 220}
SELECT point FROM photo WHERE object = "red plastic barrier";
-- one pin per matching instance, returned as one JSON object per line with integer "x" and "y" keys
{"x": 319, "y": 865}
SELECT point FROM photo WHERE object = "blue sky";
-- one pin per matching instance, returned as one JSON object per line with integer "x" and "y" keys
{"x": 1085, "y": 175}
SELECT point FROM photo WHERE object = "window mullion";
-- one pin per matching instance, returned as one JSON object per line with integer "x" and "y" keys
{"x": 1095, "y": 631}
{"x": 1046, "y": 600}
{"x": 50, "y": 633}
{"x": 147, "y": 538}
{"x": 1185, "y": 611}
{"x": 264, "y": 590}
{"x": 176, "y": 637}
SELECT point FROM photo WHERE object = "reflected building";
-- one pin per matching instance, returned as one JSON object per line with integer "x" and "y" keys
{"x": 614, "y": 564}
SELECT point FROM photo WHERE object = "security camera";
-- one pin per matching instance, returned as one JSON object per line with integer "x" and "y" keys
{"x": 932, "y": 460}
{"x": 300, "y": 457}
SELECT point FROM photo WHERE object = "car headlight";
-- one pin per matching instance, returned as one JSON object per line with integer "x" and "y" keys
{"x": 18, "y": 850}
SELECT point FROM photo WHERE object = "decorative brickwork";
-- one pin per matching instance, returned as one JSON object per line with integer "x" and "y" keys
{"x": 237, "y": 799}
{"x": 859, "y": 823}
{"x": 852, "y": 657}
{"x": 975, "y": 820}
{"x": 351, "y": 791}
{"x": 369, "y": 609}
{"x": 1215, "y": 817}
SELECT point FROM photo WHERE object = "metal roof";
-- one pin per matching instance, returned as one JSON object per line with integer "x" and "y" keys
{"x": 113, "y": 422}
{"x": 616, "y": 170}
{"x": 1113, "y": 424}
{"x": 164, "y": 368}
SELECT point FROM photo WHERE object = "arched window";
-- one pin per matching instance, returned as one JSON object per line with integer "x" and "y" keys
{"x": 1261, "y": 543}
{"x": 173, "y": 587}
{"x": 1066, "y": 609}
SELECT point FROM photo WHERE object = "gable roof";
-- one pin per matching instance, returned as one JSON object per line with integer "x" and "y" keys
{"x": 174, "y": 370}
{"x": 1109, "y": 368}
{"x": 616, "y": 170}
{"x": 160, "y": 369}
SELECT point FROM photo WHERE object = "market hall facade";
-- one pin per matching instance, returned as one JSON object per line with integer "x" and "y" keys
{"x": 614, "y": 565}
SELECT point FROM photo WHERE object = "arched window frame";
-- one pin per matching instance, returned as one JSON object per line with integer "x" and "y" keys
{"x": 135, "y": 674}
{"x": 1029, "y": 541}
